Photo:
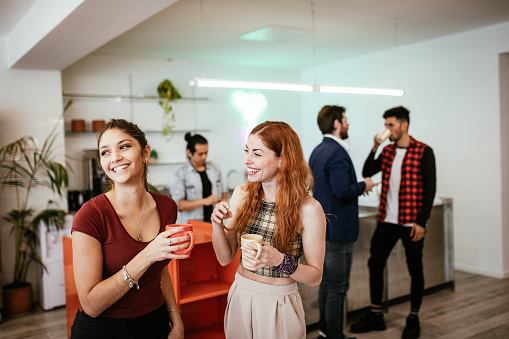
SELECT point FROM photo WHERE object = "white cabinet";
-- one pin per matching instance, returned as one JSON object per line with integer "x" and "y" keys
{"x": 52, "y": 288}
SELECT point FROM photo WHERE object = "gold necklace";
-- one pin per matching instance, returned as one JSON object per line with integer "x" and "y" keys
{"x": 141, "y": 216}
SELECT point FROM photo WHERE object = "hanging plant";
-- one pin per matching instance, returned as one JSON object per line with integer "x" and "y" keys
{"x": 168, "y": 93}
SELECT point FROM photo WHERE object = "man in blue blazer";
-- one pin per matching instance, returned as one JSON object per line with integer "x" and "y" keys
{"x": 337, "y": 189}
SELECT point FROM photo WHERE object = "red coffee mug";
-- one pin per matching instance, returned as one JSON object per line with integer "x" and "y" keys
{"x": 187, "y": 230}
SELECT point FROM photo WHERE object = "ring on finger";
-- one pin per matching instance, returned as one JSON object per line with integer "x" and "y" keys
{"x": 169, "y": 242}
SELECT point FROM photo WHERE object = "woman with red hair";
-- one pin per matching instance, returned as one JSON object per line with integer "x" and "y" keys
{"x": 264, "y": 301}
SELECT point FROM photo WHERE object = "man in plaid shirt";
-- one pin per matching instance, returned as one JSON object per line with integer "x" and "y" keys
{"x": 408, "y": 191}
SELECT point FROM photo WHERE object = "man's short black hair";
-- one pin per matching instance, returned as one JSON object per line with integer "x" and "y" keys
{"x": 328, "y": 114}
{"x": 400, "y": 113}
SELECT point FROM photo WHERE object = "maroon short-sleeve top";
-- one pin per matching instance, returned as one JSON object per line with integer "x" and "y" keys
{"x": 98, "y": 219}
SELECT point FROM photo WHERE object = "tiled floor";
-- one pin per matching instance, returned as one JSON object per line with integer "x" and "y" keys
{"x": 477, "y": 309}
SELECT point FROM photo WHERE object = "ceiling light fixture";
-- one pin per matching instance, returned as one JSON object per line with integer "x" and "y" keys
{"x": 275, "y": 33}
{"x": 361, "y": 90}
{"x": 262, "y": 85}
{"x": 278, "y": 86}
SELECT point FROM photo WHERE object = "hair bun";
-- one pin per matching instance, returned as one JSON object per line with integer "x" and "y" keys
{"x": 188, "y": 137}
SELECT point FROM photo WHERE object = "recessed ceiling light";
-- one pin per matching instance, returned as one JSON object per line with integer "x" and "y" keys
{"x": 275, "y": 34}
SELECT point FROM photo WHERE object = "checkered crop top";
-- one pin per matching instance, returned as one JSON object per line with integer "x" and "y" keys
{"x": 265, "y": 224}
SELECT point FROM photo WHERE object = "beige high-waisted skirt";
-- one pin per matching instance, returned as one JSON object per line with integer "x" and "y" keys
{"x": 262, "y": 311}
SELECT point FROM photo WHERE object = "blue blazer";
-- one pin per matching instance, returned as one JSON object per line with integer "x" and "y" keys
{"x": 337, "y": 189}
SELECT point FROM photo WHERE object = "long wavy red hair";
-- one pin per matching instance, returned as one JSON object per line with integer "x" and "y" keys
{"x": 294, "y": 183}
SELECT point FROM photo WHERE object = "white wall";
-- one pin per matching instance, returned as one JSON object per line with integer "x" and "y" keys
{"x": 109, "y": 74}
{"x": 504, "y": 133}
{"x": 30, "y": 104}
{"x": 452, "y": 91}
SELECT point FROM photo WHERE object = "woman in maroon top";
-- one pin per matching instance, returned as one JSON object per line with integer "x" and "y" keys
{"x": 121, "y": 250}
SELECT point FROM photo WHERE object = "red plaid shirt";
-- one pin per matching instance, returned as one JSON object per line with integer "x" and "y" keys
{"x": 411, "y": 187}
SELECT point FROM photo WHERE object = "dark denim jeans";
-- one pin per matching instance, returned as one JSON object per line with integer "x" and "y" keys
{"x": 335, "y": 284}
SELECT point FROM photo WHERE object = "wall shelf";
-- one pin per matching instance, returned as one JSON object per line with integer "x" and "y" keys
{"x": 68, "y": 133}
{"x": 120, "y": 98}
{"x": 143, "y": 110}
{"x": 211, "y": 332}
{"x": 203, "y": 290}
{"x": 167, "y": 163}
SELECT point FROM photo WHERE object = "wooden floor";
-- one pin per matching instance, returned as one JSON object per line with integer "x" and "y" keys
{"x": 40, "y": 324}
{"x": 477, "y": 309}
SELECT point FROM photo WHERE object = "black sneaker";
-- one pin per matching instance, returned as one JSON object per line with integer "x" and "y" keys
{"x": 373, "y": 321}
{"x": 412, "y": 329}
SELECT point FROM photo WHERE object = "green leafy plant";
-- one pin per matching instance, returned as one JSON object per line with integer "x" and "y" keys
{"x": 168, "y": 93}
{"x": 25, "y": 166}
{"x": 153, "y": 154}
{"x": 153, "y": 157}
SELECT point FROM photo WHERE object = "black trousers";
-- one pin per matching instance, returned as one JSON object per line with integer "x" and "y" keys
{"x": 155, "y": 324}
{"x": 383, "y": 241}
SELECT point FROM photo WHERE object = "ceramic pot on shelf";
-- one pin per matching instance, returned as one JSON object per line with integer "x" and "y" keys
{"x": 98, "y": 125}
{"x": 78, "y": 125}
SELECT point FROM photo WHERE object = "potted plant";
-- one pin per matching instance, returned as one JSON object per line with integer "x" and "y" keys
{"x": 153, "y": 157}
{"x": 23, "y": 167}
{"x": 168, "y": 93}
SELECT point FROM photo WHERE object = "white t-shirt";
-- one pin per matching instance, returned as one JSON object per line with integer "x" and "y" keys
{"x": 392, "y": 205}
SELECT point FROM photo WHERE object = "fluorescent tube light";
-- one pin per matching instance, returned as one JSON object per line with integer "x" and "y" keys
{"x": 201, "y": 82}
{"x": 361, "y": 90}
{"x": 278, "y": 86}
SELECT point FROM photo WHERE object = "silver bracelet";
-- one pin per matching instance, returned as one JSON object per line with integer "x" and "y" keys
{"x": 173, "y": 311}
{"x": 127, "y": 277}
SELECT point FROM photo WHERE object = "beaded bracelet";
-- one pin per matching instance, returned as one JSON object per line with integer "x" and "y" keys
{"x": 128, "y": 278}
{"x": 288, "y": 266}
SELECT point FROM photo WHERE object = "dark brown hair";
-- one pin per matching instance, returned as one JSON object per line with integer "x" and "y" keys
{"x": 134, "y": 131}
{"x": 328, "y": 114}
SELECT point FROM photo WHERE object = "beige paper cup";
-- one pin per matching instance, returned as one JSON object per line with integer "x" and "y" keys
{"x": 382, "y": 136}
{"x": 254, "y": 239}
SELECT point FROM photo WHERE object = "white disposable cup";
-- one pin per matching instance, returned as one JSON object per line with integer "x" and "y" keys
{"x": 382, "y": 136}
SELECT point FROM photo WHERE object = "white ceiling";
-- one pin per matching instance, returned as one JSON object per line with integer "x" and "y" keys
{"x": 209, "y": 30}
{"x": 11, "y": 11}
